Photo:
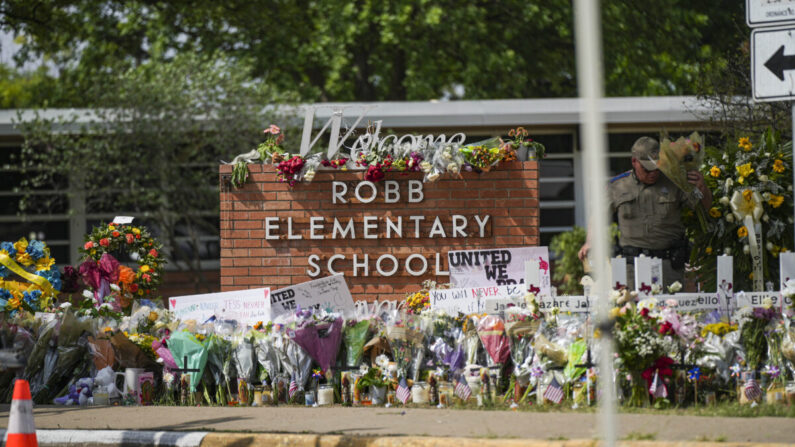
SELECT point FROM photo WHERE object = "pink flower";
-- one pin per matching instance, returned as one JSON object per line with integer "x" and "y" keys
{"x": 273, "y": 129}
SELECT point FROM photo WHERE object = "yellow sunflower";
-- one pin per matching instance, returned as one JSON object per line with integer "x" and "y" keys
{"x": 714, "y": 171}
{"x": 778, "y": 166}
{"x": 742, "y": 231}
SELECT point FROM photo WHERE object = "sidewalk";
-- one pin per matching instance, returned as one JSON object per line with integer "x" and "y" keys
{"x": 380, "y": 422}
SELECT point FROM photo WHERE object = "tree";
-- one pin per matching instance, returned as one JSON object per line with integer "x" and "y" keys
{"x": 151, "y": 147}
{"x": 371, "y": 50}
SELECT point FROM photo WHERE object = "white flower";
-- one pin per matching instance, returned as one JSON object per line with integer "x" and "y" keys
{"x": 769, "y": 246}
{"x": 675, "y": 287}
{"x": 310, "y": 175}
{"x": 766, "y": 195}
{"x": 88, "y": 294}
{"x": 767, "y": 303}
{"x": 106, "y": 306}
{"x": 648, "y": 303}
{"x": 115, "y": 288}
{"x": 763, "y": 178}
{"x": 746, "y": 249}
{"x": 656, "y": 289}
{"x": 382, "y": 361}
{"x": 425, "y": 166}
{"x": 789, "y": 188}
{"x": 168, "y": 378}
{"x": 729, "y": 183}
{"x": 65, "y": 305}
{"x": 765, "y": 218}
{"x": 453, "y": 167}
{"x": 727, "y": 251}
{"x": 730, "y": 218}
{"x": 433, "y": 176}
{"x": 724, "y": 201}
{"x": 447, "y": 156}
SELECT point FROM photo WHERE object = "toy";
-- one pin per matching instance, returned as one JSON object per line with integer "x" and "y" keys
{"x": 80, "y": 393}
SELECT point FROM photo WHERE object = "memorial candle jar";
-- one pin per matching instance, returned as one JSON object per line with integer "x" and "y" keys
{"x": 420, "y": 393}
{"x": 325, "y": 395}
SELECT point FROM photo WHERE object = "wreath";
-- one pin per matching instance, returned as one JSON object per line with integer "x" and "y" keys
{"x": 115, "y": 238}
{"x": 30, "y": 261}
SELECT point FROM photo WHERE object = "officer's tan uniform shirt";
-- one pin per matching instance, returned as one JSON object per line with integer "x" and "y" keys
{"x": 649, "y": 216}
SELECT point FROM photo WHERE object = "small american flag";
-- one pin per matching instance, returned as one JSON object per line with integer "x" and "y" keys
{"x": 554, "y": 392}
{"x": 752, "y": 390}
{"x": 293, "y": 388}
{"x": 462, "y": 390}
{"x": 403, "y": 393}
{"x": 658, "y": 388}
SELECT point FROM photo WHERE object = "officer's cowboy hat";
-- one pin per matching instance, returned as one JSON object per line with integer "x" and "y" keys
{"x": 647, "y": 151}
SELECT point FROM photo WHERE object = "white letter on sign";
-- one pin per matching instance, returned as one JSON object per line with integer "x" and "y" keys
{"x": 415, "y": 191}
{"x": 372, "y": 187}
{"x": 391, "y": 191}
{"x": 330, "y": 264}
{"x": 313, "y": 262}
{"x": 337, "y": 193}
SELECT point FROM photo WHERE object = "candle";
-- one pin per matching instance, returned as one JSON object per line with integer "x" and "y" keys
{"x": 420, "y": 393}
{"x": 325, "y": 395}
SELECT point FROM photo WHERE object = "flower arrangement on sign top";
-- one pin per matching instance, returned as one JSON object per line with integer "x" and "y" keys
{"x": 29, "y": 280}
{"x": 751, "y": 183}
{"x": 99, "y": 269}
{"x": 433, "y": 158}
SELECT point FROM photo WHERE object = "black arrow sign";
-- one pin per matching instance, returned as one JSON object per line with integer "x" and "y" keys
{"x": 778, "y": 62}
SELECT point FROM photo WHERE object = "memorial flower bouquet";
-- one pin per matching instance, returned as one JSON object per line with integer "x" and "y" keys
{"x": 29, "y": 280}
{"x": 491, "y": 330}
{"x": 483, "y": 155}
{"x": 355, "y": 334}
{"x": 755, "y": 325}
{"x": 676, "y": 159}
{"x": 752, "y": 169}
{"x": 407, "y": 343}
{"x": 522, "y": 143}
{"x": 320, "y": 336}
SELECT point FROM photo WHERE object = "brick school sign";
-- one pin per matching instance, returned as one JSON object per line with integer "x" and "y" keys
{"x": 386, "y": 237}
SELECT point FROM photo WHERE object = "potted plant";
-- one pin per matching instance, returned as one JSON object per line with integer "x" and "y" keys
{"x": 526, "y": 149}
{"x": 373, "y": 381}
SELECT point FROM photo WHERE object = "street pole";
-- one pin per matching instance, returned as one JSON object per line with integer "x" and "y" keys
{"x": 589, "y": 82}
{"x": 792, "y": 107}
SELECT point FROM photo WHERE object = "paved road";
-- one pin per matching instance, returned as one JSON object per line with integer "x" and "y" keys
{"x": 411, "y": 421}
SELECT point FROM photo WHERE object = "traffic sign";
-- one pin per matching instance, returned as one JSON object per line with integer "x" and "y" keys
{"x": 769, "y": 12}
{"x": 773, "y": 64}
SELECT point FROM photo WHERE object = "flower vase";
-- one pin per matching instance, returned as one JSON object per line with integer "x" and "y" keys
{"x": 639, "y": 393}
{"x": 532, "y": 155}
{"x": 377, "y": 395}
{"x": 521, "y": 152}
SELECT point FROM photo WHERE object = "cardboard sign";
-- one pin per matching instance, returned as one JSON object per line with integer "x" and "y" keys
{"x": 243, "y": 306}
{"x": 648, "y": 273}
{"x": 786, "y": 268}
{"x": 756, "y": 299}
{"x": 473, "y": 299}
{"x": 618, "y": 273}
{"x": 330, "y": 293}
{"x": 498, "y": 267}
{"x": 691, "y": 302}
{"x": 566, "y": 303}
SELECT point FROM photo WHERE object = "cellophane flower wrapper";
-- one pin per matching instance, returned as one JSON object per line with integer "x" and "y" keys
{"x": 311, "y": 166}
{"x": 470, "y": 342}
{"x": 576, "y": 356}
{"x": 266, "y": 354}
{"x": 718, "y": 355}
{"x": 101, "y": 351}
{"x": 184, "y": 346}
{"x": 245, "y": 360}
{"x": 73, "y": 354}
{"x": 13, "y": 337}
{"x": 407, "y": 345}
{"x": 676, "y": 159}
{"x": 355, "y": 333}
{"x": 788, "y": 346}
{"x": 161, "y": 349}
{"x": 42, "y": 358}
{"x": 296, "y": 362}
{"x": 321, "y": 339}
{"x": 520, "y": 329}
{"x": 551, "y": 354}
{"x": 491, "y": 330}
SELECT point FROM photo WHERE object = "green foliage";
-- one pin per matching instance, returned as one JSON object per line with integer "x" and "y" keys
{"x": 725, "y": 235}
{"x": 239, "y": 174}
{"x": 568, "y": 268}
{"x": 152, "y": 147}
{"x": 371, "y": 50}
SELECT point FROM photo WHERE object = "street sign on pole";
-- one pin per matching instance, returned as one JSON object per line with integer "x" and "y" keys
{"x": 773, "y": 64}
{"x": 769, "y": 12}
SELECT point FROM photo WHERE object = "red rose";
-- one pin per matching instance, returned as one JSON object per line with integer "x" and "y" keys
{"x": 130, "y": 238}
{"x": 115, "y": 234}
{"x": 138, "y": 236}
{"x": 644, "y": 312}
{"x": 153, "y": 253}
{"x": 104, "y": 242}
{"x": 133, "y": 287}
{"x": 147, "y": 278}
{"x": 88, "y": 246}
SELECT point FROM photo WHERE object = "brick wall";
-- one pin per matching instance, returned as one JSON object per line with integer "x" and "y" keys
{"x": 508, "y": 194}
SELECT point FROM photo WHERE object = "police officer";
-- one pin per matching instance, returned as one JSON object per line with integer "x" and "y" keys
{"x": 648, "y": 208}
